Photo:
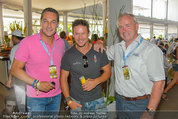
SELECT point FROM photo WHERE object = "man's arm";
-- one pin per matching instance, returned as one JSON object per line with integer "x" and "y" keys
{"x": 155, "y": 70}
{"x": 11, "y": 56}
{"x": 156, "y": 93}
{"x": 9, "y": 81}
{"x": 92, "y": 83}
{"x": 155, "y": 97}
{"x": 17, "y": 71}
{"x": 64, "y": 83}
{"x": 98, "y": 46}
{"x": 65, "y": 89}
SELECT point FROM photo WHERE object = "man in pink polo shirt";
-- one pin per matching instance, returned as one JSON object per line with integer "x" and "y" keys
{"x": 41, "y": 55}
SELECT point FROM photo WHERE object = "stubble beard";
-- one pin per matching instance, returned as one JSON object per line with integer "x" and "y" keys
{"x": 82, "y": 45}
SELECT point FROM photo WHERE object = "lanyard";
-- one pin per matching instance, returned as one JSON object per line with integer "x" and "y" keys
{"x": 44, "y": 45}
{"x": 125, "y": 58}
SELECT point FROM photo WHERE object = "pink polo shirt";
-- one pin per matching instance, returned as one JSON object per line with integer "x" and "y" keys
{"x": 32, "y": 52}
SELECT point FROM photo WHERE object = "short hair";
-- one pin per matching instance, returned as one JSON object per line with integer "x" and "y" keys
{"x": 50, "y": 10}
{"x": 161, "y": 43}
{"x": 94, "y": 37}
{"x": 18, "y": 37}
{"x": 63, "y": 35}
{"x": 176, "y": 39}
{"x": 80, "y": 22}
{"x": 127, "y": 14}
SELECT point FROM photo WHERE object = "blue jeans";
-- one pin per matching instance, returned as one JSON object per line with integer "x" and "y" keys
{"x": 94, "y": 110}
{"x": 130, "y": 109}
{"x": 39, "y": 108}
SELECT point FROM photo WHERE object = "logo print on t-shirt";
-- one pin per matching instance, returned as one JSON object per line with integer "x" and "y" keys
{"x": 95, "y": 59}
{"x": 76, "y": 63}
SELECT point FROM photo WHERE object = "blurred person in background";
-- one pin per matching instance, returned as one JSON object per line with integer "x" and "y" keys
{"x": 174, "y": 55}
{"x": 19, "y": 86}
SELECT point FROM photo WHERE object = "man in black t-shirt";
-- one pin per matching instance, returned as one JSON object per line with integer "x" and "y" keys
{"x": 82, "y": 61}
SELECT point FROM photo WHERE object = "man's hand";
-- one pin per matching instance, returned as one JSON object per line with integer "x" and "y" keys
{"x": 45, "y": 86}
{"x": 146, "y": 115}
{"x": 98, "y": 46}
{"x": 89, "y": 84}
{"x": 74, "y": 105}
{"x": 8, "y": 84}
{"x": 164, "y": 96}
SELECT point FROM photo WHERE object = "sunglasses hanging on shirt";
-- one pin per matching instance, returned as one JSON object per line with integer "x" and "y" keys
{"x": 85, "y": 65}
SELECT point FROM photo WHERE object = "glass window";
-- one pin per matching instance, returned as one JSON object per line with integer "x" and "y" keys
{"x": 142, "y": 7}
{"x": 172, "y": 10}
{"x": 12, "y": 21}
{"x": 172, "y": 32}
{"x": 159, "y": 9}
{"x": 144, "y": 30}
{"x": 159, "y": 30}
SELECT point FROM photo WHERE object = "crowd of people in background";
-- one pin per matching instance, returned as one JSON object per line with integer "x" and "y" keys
{"x": 169, "y": 49}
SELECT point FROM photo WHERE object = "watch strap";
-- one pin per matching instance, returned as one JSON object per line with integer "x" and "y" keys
{"x": 68, "y": 99}
{"x": 150, "y": 111}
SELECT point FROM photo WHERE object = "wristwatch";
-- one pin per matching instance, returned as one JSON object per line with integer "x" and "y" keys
{"x": 164, "y": 93}
{"x": 151, "y": 112}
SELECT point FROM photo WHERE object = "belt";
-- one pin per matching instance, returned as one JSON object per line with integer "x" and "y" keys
{"x": 136, "y": 98}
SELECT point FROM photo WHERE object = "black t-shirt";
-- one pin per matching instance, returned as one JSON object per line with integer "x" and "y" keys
{"x": 74, "y": 63}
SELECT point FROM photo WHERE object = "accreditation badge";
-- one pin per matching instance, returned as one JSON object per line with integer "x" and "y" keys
{"x": 126, "y": 72}
{"x": 53, "y": 71}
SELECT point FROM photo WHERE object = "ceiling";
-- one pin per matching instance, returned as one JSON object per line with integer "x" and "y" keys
{"x": 59, "y": 5}
{"x": 14, "y": 8}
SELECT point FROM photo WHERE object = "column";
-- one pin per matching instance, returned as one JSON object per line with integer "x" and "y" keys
{"x": 177, "y": 30}
{"x": 28, "y": 16}
{"x": 105, "y": 16}
{"x": 166, "y": 32}
{"x": 151, "y": 8}
{"x": 65, "y": 21}
{"x": 166, "y": 26}
{"x": 1, "y": 24}
{"x": 114, "y": 8}
{"x": 151, "y": 31}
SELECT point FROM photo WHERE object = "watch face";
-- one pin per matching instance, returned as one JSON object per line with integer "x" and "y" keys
{"x": 150, "y": 111}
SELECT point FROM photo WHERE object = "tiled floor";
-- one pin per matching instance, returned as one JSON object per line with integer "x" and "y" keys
{"x": 172, "y": 102}
{"x": 168, "y": 109}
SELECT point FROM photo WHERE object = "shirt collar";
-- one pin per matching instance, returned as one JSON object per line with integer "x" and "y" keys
{"x": 137, "y": 40}
{"x": 133, "y": 44}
